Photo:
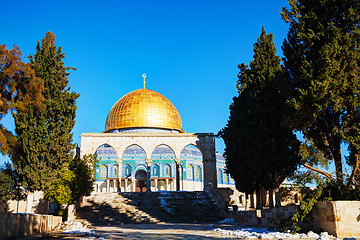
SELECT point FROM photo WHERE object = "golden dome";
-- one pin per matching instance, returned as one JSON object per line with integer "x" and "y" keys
{"x": 143, "y": 108}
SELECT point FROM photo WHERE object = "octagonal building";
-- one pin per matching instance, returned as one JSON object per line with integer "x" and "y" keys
{"x": 144, "y": 148}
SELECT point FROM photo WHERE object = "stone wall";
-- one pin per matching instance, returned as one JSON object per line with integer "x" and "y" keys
{"x": 261, "y": 218}
{"x": 338, "y": 218}
{"x": 34, "y": 203}
{"x": 19, "y": 225}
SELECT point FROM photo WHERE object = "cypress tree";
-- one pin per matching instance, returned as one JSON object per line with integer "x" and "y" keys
{"x": 261, "y": 149}
{"x": 45, "y": 136}
{"x": 322, "y": 62}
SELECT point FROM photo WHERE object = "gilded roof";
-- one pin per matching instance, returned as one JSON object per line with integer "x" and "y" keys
{"x": 143, "y": 108}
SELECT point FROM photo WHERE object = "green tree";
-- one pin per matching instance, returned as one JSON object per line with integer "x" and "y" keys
{"x": 45, "y": 136}
{"x": 321, "y": 59}
{"x": 313, "y": 160}
{"x": 19, "y": 88}
{"x": 7, "y": 182}
{"x": 10, "y": 183}
{"x": 76, "y": 179}
{"x": 261, "y": 149}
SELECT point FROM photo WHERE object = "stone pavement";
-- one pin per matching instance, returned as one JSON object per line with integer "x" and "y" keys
{"x": 162, "y": 231}
{"x": 159, "y": 231}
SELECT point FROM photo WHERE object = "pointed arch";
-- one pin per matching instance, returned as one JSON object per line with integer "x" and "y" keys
{"x": 134, "y": 151}
{"x": 220, "y": 176}
{"x": 155, "y": 171}
{"x": 190, "y": 174}
{"x": 106, "y": 152}
{"x": 198, "y": 173}
{"x": 167, "y": 170}
{"x": 163, "y": 152}
{"x": 127, "y": 171}
{"x": 103, "y": 172}
{"x": 191, "y": 152}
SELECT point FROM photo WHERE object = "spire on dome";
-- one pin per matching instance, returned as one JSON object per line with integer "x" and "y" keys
{"x": 144, "y": 76}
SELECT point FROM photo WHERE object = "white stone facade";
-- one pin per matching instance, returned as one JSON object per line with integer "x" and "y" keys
{"x": 205, "y": 142}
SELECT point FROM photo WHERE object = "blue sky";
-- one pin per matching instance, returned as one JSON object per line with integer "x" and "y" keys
{"x": 188, "y": 49}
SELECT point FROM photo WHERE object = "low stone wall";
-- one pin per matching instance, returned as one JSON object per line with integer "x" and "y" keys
{"x": 261, "y": 218}
{"x": 19, "y": 225}
{"x": 34, "y": 203}
{"x": 338, "y": 218}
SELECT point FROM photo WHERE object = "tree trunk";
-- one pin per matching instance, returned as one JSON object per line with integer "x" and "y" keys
{"x": 247, "y": 202}
{"x": 277, "y": 198}
{"x": 259, "y": 199}
{"x": 271, "y": 198}
{"x": 338, "y": 162}
{"x": 252, "y": 204}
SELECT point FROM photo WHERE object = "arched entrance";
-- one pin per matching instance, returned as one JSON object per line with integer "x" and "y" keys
{"x": 192, "y": 163}
{"x": 140, "y": 184}
{"x": 106, "y": 169}
{"x": 163, "y": 160}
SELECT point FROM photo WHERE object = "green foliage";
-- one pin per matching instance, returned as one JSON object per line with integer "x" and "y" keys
{"x": 60, "y": 191}
{"x": 322, "y": 62}
{"x": 313, "y": 157}
{"x": 327, "y": 191}
{"x": 304, "y": 211}
{"x": 261, "y": 149}
{"x": 7, "y": 184}
{"x": 306, "y": 206}
{"x": 45, "y": 136}
{"x": 76, "y": 179}
{"x": 10, "y": 184}
{"x": 340, "y": 192}
{"x": 19, "y": 88}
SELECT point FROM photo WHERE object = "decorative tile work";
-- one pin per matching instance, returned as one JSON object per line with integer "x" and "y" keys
{"x": 162, "y": 158}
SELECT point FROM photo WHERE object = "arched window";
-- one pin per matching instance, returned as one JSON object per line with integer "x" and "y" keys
{"x": 197, "y": 175}
{"x": 155, "y": 171}
{"x": 103, "y": 172}
{"x": 115, "y": 170}
{"x": 220, "y": 176}
{"x": 181, "y": 172}
{"x": 226, "y": 177}
{"x": 190, "y": 172}
{"x": 127, "y": 171}
{"x": 167, "y": 170}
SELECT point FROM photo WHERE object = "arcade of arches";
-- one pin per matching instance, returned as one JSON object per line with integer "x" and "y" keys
{"x": 144, "y": 148}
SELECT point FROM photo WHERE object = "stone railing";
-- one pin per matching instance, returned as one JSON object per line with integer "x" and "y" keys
{"x": 216, "y": 195}
{"x": 20, "y": 225}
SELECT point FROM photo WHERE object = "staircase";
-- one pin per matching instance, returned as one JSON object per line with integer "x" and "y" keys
{"x": 149, "y": 207}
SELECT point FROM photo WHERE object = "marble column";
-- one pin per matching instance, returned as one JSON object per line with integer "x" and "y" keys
{"x": 177, "y": 177}
{"x": 107, "y": 185}
{"x": 156, "y": 185}
{"x": 115, "y": 187}
{"x": 126, "y": 184}
{"x": 133, "y": 184}
{"x": 119, "y": 161}
{"x": 148, "y": 174}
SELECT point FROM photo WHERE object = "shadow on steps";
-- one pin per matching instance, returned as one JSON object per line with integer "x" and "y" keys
{"x": 149, "y": 207}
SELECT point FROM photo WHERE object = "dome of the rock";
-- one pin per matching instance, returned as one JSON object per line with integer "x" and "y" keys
{"x": 143, "y": 108}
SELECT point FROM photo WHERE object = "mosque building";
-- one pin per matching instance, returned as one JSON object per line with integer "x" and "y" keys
{"x": 144, "y": 148}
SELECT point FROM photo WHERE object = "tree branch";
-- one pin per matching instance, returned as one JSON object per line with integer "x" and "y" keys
{"x": 319, "y": 171}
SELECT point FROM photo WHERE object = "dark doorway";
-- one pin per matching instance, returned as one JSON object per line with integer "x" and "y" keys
{"x": 140, "y": 184}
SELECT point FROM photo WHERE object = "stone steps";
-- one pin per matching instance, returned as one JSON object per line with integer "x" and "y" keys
{"x": 149, "y": 207}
